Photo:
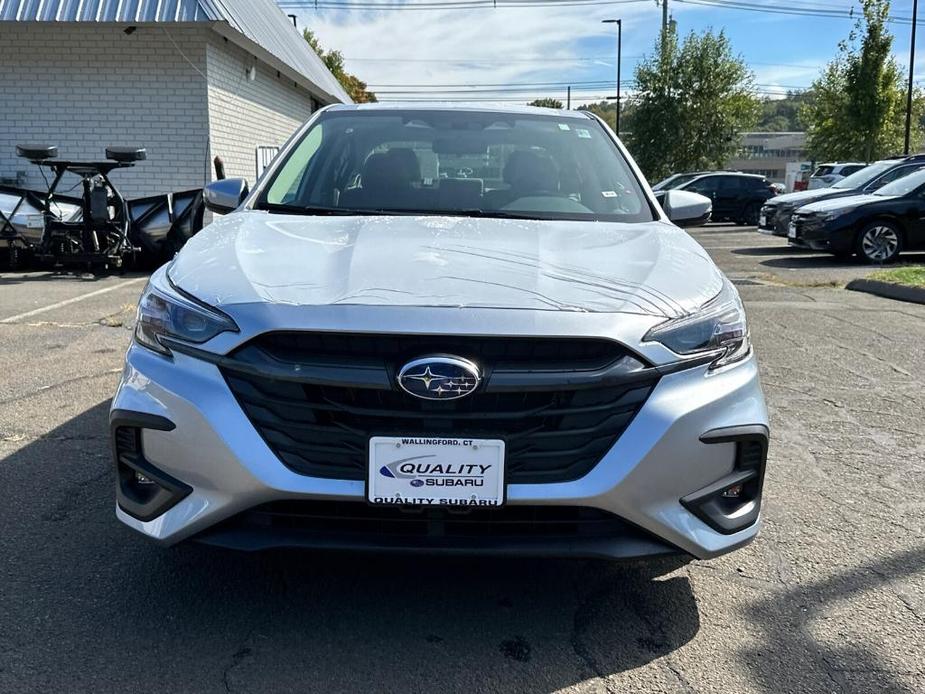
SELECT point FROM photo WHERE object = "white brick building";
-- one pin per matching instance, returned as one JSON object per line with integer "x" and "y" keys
{"x": 187, "y": 79}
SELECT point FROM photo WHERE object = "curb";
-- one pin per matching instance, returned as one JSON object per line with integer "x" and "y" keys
{"x": 888, "y": 290}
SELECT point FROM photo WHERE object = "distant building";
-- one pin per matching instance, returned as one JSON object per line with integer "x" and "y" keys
{"x": 768, "y": 154}
{"x": 187, "y": 79}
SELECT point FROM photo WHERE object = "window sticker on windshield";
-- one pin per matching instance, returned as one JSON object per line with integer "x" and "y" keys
{"x": 564, "y": 126}
{"x": 609, "y": 193}
{"x": 583, "y": 134}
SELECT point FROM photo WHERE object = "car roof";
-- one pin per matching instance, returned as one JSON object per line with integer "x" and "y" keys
{"x": 473, "y": 107}
{"x": 731, "y": 173}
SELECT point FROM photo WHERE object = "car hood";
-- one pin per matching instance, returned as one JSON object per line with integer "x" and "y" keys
{"x": 252, "y": 256}
{"x": 805, "y": 197}
{"x": 841, "y": 203}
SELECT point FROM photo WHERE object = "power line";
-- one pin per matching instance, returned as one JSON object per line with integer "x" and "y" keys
{"x": 444, "y": 5}
{"x": 803, "y": 10}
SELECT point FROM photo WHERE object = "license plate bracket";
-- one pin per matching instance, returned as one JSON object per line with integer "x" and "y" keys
{"x": 435, "y": 471}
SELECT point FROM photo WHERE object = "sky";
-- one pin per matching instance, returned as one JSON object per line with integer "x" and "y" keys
{"x": 515, "y": 54}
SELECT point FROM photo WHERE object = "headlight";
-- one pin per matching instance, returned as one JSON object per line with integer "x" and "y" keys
{"x": 719, "y": 327}
{"x": 834, "y": 214}
{"x": 164, "y": 312}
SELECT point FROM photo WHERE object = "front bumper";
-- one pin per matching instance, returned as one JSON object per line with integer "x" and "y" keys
{"x": 774, "y": 220}
{"x": 646, "y": 481}
{"x": 810, "y": 233}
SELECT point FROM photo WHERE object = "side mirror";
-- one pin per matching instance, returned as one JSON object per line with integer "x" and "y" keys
{"x": 684, "y": 208}
{"x": 225, "y": 195}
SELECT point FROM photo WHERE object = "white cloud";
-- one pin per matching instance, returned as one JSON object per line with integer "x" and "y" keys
{"x": 511, "y": 45}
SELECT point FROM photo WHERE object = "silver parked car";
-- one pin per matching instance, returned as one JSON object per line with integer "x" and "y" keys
{"x": 517, "y": 354}
{"x": 827, "y": 175}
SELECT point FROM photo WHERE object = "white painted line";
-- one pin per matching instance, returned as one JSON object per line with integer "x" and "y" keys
{"x": 74, "y": 300}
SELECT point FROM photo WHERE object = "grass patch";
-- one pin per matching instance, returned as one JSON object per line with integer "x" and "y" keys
{"x": 912, "y": 276}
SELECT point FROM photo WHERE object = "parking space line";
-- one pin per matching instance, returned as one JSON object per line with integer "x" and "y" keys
{"x": 73, "y": 300}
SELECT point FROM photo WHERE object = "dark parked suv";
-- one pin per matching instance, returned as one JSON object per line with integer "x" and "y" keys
{"x": 737, "y": 197}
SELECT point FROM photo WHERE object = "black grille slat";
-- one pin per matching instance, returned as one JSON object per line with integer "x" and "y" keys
{"x": 352, "y": 518}
{"x": 551, "y": 434}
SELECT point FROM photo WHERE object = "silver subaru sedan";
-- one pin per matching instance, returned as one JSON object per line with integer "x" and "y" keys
{"x": 444, "y": 329}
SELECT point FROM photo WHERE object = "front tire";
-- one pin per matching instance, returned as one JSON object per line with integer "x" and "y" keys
{"x": 879, "y": 243}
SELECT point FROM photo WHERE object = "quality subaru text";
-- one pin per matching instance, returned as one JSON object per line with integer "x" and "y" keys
{"x": 448, "y": 329}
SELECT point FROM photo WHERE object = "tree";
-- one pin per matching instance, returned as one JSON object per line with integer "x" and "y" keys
{"x": 547, "y": 103}
{"x": 859, "y": 104}
{"x": 692, "y": 100}
{"x": 781, "y": 115}
{"x": 334, "y": 60}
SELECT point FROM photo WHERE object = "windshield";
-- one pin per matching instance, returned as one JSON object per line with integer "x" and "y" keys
{"x": 468, "y": 163}
{"x": 904, "y": 185}
{"x": 864, "y": 176}
{"x": 823, "y": 171}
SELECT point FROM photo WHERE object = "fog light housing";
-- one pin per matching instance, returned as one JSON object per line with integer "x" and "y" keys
{"x": 141, "y": 479}
{"x": 142, "y": 490}
{"x": 733, "y": 503}
{"x": 733, "y": 492}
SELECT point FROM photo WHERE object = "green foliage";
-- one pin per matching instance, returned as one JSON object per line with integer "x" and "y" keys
{"x": 858, "y": 108}
{"x": 783, "y": 115}
{"x": 334, "y": 60}
{"x": 607, "y": 110}
{"x": 547, "y": 103}
{"x": 692, "y": 101}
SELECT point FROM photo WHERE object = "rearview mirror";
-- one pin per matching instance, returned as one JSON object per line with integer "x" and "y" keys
{"x": 684, "y": 208}
{"x": 225, "y": 195}
{"x": 460, "y": 144}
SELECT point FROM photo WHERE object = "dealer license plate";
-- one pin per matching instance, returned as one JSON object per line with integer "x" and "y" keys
{"x": 763, "y": 220}
{"x": 422, "y": 471}
{"x": 792, "y": 231}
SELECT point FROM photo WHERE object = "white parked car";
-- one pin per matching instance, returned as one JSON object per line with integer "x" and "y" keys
{"x": 531, "y": 359}
{"x": 827, "y": 175}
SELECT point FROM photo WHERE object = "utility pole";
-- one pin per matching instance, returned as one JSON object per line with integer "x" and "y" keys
{"x": 915, "y": 19}
{"x": 665, "y": 17}
{"x": 619, "y": 23}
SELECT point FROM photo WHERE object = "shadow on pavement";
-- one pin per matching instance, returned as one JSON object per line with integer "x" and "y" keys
{"x": 791, "y": 659}
{"x": 88, "y": 605}
{"x": 776, "y": 250}
{"x": 828, "y": 261}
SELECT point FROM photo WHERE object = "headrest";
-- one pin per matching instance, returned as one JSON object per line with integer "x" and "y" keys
{"x": 531, "y": 171}
{"x": 36, "y": 151}
{"x": 123, "y": 154}
{"x": 392, "y": 169}
{"x": 406, "y": 160}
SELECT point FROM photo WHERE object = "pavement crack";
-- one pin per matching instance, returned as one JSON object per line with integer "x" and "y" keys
{"x": 60, "y": 384}
{"x": 244, "y": 652}
{"x": 580, "y": 622}
{"x": 679, "y": 676}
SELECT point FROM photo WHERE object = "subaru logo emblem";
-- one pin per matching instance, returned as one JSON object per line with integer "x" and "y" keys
{"x": 439, "y": 378}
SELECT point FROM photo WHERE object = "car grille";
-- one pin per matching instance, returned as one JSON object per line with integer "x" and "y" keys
{"x": 338, "y": 390}
{"x": 806, "y": 223}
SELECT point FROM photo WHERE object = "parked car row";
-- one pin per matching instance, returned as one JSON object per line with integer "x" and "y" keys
{"x": 875, "y": 212}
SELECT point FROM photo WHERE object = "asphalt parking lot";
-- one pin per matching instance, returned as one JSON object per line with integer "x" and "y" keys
{"x": 830, "y": 598}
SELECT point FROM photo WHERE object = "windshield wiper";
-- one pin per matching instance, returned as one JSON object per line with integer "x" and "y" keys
{"x": 317, "y": 210}
{"x": 468, "y": 212}
{"x": 349, "y": 211}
